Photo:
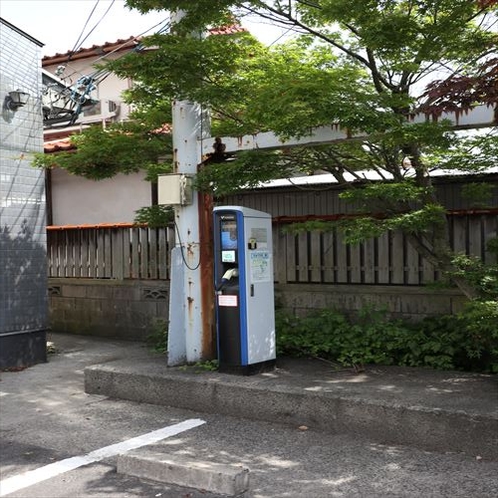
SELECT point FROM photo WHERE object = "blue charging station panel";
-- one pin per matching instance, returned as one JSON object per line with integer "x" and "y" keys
{"x": 243, "y": 274}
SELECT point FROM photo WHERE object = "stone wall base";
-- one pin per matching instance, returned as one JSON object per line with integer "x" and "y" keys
{"x": 22, "y": 349}
{"x": 130, "y": 309}
{"x": 125, "y": 309}
{"x": 400, "y": 302}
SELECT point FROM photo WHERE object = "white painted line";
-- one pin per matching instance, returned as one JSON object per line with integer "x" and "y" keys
{"x": 31, "y": 477}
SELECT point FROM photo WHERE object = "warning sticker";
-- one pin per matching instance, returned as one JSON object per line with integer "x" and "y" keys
{"x": 229, "y": 300}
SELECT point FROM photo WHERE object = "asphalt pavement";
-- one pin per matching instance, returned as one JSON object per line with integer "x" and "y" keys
{"x": 423, "y": 408}
{"x": 46, "y": 418}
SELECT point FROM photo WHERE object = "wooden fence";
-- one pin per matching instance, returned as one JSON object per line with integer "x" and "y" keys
{"x": 315, "y": 257}
{"x": 115, "y": 251}
{"x": 130, "y": 252}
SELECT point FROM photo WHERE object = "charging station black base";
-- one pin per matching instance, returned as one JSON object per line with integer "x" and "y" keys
{"x": 253, "y": 369}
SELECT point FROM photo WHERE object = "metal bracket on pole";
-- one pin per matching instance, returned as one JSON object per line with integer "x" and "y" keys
{"x": 479, "y": 117}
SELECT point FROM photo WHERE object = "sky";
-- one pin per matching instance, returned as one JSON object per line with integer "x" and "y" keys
{"x": 60, "y": 24}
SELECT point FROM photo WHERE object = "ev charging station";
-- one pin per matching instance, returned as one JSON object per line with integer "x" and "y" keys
{"x": 243, "y": 275}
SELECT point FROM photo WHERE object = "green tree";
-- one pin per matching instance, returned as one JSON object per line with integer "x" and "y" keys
{"x": 103, "y": 153}
{"x": 363, "y": 65}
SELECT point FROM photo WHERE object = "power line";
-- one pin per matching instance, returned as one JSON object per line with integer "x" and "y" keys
{"x": 119, "y": 47}
{"x": 79, "y": 94}
{"x": 101, "y": 74}
{"x": 98, "y": 22}
{"x": 82, "y": 31}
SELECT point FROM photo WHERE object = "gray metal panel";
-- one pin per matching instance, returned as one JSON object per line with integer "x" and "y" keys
{"x": 324, "y": 200}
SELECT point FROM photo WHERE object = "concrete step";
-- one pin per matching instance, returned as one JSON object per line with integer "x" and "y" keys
{"x": 426, "y": 409}
{"x": 186, "y": 472}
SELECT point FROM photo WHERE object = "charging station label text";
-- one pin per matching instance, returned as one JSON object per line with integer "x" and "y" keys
{"x": 260, "y": 267}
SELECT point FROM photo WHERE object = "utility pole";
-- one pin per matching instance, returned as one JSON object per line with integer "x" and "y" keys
{"x": 190, "y": 333}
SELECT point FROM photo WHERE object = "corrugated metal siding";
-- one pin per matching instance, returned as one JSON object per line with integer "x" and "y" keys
{"x": 323, "y": 200}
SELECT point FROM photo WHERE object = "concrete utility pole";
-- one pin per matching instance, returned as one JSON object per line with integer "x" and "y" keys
{"x": 190, "y": 334}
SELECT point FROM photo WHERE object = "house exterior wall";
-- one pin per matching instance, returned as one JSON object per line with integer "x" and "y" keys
{"x": 77, "y": 201}
{"x": 23, "y": 275}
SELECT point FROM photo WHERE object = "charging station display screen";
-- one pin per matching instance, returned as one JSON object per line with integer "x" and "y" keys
{"x": 228, "y": 235}
{"x": 229, "y": 243}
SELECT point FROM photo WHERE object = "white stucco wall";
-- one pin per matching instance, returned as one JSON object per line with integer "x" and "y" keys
{"x": 77, "y": 201}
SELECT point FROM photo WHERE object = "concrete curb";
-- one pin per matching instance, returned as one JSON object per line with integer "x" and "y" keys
{"x": 207, "y": 476}
{"x": 427, "y": 428}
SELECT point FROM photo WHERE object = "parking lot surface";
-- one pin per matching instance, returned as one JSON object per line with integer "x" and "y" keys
{"x": 46, "y": 417}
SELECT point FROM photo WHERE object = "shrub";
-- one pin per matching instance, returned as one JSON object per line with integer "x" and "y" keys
{"x": 479, "y": 321}
{"x": 330, "y": 335}
{"x": 467, "y": 341}
{"x": 312, "y": 335}
{"x": 157, "y": 216}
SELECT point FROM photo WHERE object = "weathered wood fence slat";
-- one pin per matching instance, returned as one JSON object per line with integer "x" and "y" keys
{"x": 110, "y": 252}
{"x": 130, "y": 252}
{"x": 386, "y": 260}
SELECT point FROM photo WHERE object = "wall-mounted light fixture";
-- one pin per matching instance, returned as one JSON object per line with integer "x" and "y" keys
{"x": 16, "y": 99}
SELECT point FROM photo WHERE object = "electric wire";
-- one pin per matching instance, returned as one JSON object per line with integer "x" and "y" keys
{"x": 135, "y": 38}
{"x": 101, "y": 74}
{"x": 119, "y": 47}
{"x": 182, "y": 251}
{"x": 76, "y": 46}
{"x": 281, "y": 36}
{"x": 87, "y": 83}
{"x": 98, "y": 22}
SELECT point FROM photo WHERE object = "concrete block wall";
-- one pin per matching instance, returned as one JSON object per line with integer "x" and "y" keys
{"x": 23, "y": 275}
{"x": 401, "y": 302}
{"x": 132, "y": 309}
{"x": 125, "y": 309}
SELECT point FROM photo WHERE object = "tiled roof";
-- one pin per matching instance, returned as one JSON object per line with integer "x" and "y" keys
{"x": 124, "y": 224}
{"x": 94, "y": 51}
{"x": 165, "y": 129}
{"x": 119, "y": 45}
{"x": 227, "y": 30}
{"x": 61, "y": 145}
